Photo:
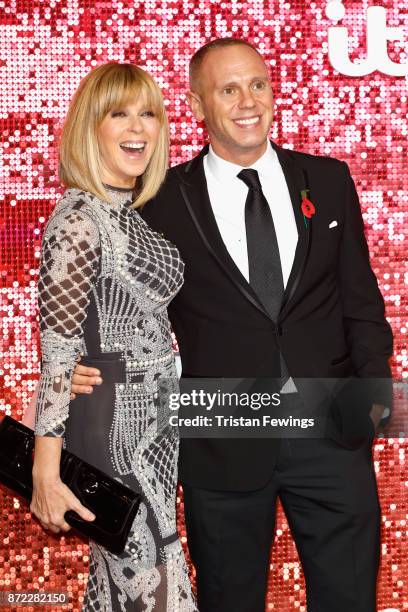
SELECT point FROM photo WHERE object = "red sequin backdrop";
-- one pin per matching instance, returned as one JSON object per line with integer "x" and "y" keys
{"x": 46, "y": 47}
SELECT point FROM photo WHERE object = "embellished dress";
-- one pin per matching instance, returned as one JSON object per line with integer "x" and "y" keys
{"x": 105, "y": 282}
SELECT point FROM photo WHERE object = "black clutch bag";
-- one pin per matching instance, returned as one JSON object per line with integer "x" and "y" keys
{"x": 114, "y": 504}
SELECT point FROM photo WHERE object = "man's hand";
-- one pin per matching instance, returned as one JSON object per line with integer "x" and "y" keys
{"x": 84, "y": 379}
{"x": 376, "y": 414}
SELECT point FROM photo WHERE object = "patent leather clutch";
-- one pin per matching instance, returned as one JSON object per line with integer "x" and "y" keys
{"x": 114, "y": 504}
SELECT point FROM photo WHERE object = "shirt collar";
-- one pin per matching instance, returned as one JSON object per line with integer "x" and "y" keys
{"x": 223, "y": 170}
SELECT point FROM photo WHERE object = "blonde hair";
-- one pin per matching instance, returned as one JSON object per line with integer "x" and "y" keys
{"x": 107, "y": 87}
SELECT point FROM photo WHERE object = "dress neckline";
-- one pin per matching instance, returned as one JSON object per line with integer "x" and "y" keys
{"x": 120, "y": 196}
{"x": 118, "y": 189}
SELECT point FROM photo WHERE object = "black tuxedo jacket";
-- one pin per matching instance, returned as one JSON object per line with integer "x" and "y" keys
{"x": 331, "y": 323}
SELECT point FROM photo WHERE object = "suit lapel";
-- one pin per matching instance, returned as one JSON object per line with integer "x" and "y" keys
{"x": 296, "y": 181}
{"x": 193, "y": 187}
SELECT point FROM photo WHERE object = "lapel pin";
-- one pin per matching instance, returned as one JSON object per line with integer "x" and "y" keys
{"x": 307, "y": 207}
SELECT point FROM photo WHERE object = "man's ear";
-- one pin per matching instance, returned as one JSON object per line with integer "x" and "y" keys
{"x": 195, "y": 104}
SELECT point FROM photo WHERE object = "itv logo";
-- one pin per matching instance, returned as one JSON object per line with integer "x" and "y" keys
{"x": 377, "y": 36}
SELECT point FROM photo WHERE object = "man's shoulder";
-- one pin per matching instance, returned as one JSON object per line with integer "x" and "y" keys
{"x": 313, "y": 161}
{"x": 175, "y": 176}
{"x": 178, "y": 173}
{"x": 168, "y": 198}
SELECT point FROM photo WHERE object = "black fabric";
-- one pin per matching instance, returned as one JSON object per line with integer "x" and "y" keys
{"x": 330, "y": 499}
{"x": 331, "y": 322}
{"x": 94, "y": 412}
{"x": 265, "y": 270}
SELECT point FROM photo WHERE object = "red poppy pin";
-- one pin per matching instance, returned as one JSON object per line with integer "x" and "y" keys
{"x": 307, "y": 207}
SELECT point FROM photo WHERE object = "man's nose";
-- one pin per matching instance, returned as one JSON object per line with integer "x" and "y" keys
{"x": 247, "y": 100}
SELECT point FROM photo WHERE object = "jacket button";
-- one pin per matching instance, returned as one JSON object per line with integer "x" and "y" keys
{"x": 279, "y": 330}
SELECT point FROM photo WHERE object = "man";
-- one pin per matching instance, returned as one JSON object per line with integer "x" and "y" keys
{"x": 271, "y": 290}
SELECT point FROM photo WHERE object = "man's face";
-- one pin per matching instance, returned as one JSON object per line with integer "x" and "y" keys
{"x": 234, "y": 98}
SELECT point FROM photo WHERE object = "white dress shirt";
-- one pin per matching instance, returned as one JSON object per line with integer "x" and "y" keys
{"x": 228, "y": 195}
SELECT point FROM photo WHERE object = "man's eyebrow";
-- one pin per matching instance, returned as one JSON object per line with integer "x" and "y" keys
{"x": 229, "y": 84}
{"x": 234, "y": 83}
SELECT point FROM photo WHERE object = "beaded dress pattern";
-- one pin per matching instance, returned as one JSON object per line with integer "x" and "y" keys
{"x": 105, "y": 282}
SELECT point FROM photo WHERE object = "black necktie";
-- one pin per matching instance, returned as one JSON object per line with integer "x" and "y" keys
{"x": 265, "y": 271}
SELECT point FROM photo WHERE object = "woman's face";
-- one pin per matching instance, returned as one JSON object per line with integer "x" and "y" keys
{"x": 127, "y": 138}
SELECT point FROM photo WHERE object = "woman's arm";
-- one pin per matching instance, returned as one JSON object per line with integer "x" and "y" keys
{"x": 29, "y": 415}
{"x": 69, "y": 269}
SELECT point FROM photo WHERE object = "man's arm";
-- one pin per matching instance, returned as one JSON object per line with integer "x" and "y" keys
{"x": 368, "y": 333}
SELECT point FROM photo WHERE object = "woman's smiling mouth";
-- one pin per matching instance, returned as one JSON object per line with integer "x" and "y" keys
{"x": 133, "y": 148}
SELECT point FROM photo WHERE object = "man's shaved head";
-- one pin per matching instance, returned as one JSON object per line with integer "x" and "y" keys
{"x": 231, "y": 92}
{"x": 198, "y": 57}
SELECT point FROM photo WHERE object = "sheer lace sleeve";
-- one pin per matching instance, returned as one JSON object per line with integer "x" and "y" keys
{"x": 69, "y": 269}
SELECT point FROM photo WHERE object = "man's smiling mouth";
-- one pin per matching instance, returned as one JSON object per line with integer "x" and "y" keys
{"x": 249, "y": 121}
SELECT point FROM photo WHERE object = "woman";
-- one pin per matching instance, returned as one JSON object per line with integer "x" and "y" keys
{"x": 105, "y": 281}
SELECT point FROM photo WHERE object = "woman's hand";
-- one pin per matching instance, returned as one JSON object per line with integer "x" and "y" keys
{"x": 51, "y": 499}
